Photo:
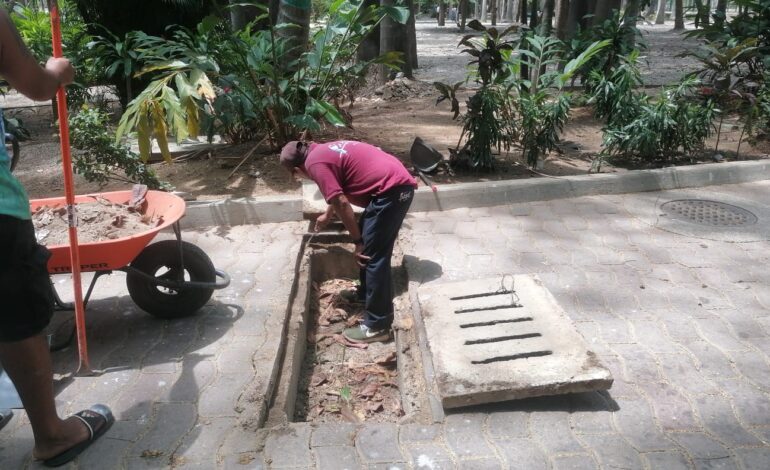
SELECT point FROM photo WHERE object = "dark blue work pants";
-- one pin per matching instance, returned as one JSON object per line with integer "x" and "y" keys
{"x": 379, "y": 226}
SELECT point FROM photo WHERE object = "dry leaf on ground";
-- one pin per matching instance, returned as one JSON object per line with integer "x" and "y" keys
{"x": 346, "y": 342}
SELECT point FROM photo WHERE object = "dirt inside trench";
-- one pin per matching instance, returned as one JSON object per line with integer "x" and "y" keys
{"x": 342, "y": 381}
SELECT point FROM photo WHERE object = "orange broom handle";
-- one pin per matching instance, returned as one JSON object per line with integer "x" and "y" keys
{"x": 69, "y": 193}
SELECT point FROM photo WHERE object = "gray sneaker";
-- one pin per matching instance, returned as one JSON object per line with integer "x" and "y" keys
{"x": 364, "y": 334}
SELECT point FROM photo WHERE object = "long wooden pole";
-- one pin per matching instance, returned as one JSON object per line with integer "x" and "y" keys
{"x": 69, "y": 194}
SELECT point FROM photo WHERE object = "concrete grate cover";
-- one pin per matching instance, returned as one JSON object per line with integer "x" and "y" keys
{"x": 491, "y": 345}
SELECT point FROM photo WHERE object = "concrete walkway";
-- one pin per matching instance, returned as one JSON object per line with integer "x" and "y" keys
{"x": 682, "y": 320}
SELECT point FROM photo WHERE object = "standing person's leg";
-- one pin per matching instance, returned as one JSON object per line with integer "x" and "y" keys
{"x": 381, "y": 223}
{"x": 28, "y": 305}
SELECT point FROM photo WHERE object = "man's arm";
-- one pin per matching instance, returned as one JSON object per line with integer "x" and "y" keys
{"x": 22, "y": 71}
{"x": 345, "y": 213}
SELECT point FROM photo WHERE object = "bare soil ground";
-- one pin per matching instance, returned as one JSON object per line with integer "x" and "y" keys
{"x": 390, "y": 118}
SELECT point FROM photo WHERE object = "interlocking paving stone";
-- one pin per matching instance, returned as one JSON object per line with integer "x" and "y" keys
{"x": 432, "y": 456}
{"x": 289, "y": 447}
{"x": 170, "y": 423}
{"x": 718, "y": 417}
{"x": 750, "y": 404}
{"x": 754, "y": 367}
{"x": 670, "y": 460}
{"x": 574, "y": 462}
{"x": 590, "y": 413}
{"x": 754, "y": 459}
{"x": 490, "y": 463}
{"x": 553, "y": 432}
{"x": 672, "y": 409}
{"x": 521, "y": 453}
{"x": 713, "y": 362}
{"x": 467, "y": 445}
{"x": 378, "y": 443}
{"x": 636, "y": 423}
{"x": 333, "y": 435}
{"x": 680, "y": 370}
{"x": 705, "y": 451}
{"x": 613, "y": 451}
{"x": 508, "y": 424}
{"x": 336, "y": 458}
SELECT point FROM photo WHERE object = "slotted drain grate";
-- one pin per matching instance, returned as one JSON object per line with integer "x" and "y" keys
{"x": 490, "y": 342}
{"x": 711, "y": 213}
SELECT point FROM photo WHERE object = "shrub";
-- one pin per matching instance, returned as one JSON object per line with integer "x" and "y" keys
{"x": 675, "y": 123}
{"x": 98, "y": 158}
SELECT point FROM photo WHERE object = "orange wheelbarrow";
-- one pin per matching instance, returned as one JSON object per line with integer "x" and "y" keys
{"x": 168, "y": 279}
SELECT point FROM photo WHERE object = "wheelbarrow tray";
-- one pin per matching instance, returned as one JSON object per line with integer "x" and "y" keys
{"x": 105, "y": 255}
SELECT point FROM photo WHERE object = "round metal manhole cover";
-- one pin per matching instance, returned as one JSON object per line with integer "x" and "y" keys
{"x": 712, "y": 213}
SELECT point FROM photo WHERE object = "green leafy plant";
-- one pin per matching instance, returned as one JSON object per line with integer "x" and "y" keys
{"x": 488, "y": 121}
{"x": 675, "y": 123}
{"x": 623, "y": 37}
{"x": 613, "y": 95}
{"x": 243, "y": 83}
{"x": 34, "y": 26}
{"x": 542, "y": 107}
{"x": 100, "y": 159}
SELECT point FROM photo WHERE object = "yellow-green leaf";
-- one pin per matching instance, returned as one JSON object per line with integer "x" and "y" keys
{"x": 161, "y": 131}
{"x": 143, "y": 134}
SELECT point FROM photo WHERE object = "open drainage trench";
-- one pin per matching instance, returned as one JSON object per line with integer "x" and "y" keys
{"x": 323, "y": 378}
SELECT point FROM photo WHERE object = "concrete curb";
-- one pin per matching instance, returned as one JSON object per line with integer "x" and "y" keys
{"x": 243, "y": 211}
{"x": 287, "y": 208}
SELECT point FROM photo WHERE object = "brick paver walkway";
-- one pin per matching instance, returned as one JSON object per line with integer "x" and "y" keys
{"x": 682, "y": 322}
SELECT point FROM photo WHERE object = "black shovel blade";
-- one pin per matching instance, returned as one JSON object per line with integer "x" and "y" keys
{"x": 424, "y": 156}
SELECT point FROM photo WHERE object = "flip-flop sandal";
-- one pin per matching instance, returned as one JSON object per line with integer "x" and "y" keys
{"x": 98, "y": 420}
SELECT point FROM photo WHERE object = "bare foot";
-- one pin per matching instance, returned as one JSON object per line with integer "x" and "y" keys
{"x": 72, "y": 432}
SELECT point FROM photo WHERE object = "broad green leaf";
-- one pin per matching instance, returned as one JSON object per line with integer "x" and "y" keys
{"x": 399, "y": 14}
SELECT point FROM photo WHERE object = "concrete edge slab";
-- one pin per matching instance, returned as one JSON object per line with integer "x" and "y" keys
{"x": 243, "y": 211}
{"x": 285, "y": 208}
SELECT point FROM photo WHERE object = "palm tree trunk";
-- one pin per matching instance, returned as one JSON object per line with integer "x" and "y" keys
{"x": 295, "y": 12}
{"x": 660, "y": 18}
{"x": 441, "y": 14}
{"x": 493, "y": 12}
{"x": 678, "y": 14}
{"x": 577, "y": 10}
{"x": 370, "y": 46}
{"x": 410, "y": 40}
{"x": 562, "y": 15}
{"x": 719, "y": 14}
{"x": 546, "y": 25}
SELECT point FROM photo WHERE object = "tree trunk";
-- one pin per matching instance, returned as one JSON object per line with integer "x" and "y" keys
{"x": 660, "y": 18}
{"x": 295, "y": 12}
{"x": 370, "y": 46}
{"x": 720, "y": 12}
{"x": 442, "y": 14}
{"x": 463, "y": 14}
{"x": 411, "y": 39}
{"x": 395, "y": 37}
{"x": 678, "y": 14}
{"x": 240, "y": 16}
{"x": 546, "y": 25}
{"x": 601, "y": 11}
{"x": 630, "y": 19}
{"x": 577, "y": 10}
{"x": 562, "y": 15}
{"x": 483, "y": 10}
{"x": 493, "y": 12}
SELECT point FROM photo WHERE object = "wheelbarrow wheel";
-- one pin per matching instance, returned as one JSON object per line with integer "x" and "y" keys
{"x": 161, "y": 260}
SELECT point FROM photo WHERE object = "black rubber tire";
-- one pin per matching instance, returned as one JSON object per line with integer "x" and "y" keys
{"x": 163, "y": 302}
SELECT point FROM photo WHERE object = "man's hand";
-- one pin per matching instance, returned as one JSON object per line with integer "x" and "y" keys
{"x": 322, "y": 221}
{"x": 361, "y": 259}
{"x": 62, "y": 69}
